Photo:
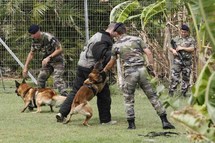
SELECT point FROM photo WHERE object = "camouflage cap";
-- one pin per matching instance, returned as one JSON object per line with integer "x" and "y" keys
{"x": 33, "y": 29}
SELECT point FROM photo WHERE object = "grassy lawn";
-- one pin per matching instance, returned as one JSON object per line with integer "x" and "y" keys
{"x": 16, "y": 127}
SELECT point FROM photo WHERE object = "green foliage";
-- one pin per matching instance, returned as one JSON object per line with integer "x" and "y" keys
{"x": 38, "y": 11}
{"x": 202, "y": 100}
{"x": 201, "y": 84}
{"x": 207, "y": 13}
{"x": 210, "y": 97}
{"x": 195, "y": 121}
{"x": 202, "y": 112}
{"x": 151, "y": 10}
{"x": 121, "y": 12}
{"x": 198, "y": 117}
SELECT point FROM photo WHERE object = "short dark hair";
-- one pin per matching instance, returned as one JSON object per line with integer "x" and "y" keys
{"x": 120, "y": 28}
{"x": 185, "y": 27}
{"x": 33, "y": 28}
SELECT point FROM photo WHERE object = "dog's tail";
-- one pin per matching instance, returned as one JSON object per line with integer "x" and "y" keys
{"x": 59, "y": 100}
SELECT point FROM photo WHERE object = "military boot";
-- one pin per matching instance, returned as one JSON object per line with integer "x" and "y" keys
{"x": 184, "y": 93}
{"x": 31, "y": 106}
{"x": 131, "y": 124}
{"x": 165, "y": 123}
{"x": 171, "y": 93}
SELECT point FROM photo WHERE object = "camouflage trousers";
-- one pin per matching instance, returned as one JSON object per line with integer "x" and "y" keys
{"x": 179, "y": 69}
{"x": 57, "y": 70}
{"x": 138, "y": 75}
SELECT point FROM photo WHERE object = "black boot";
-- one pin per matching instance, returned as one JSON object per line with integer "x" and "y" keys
{"x": 184, "y": 93}
{"x": 131, "y": 124}
{"x": 171, "y": 93}
{"x": 165, "y": 123}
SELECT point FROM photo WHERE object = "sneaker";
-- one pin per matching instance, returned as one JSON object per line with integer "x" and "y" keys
{"x": 60, "y": 118}
{"x": 109, "y": 123}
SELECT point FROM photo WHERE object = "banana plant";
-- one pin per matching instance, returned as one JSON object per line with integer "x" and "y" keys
{"x": 151, "y": 10}
{"x": 202, "y": 118}
{"x": 120, "y": 13}
{"x": 200, "y": 115}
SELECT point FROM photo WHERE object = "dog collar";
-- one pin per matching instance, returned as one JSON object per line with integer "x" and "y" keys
{"x": 25, "y": 93}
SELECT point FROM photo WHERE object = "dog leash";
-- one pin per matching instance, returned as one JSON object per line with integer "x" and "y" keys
{"x": 156, "y": 134}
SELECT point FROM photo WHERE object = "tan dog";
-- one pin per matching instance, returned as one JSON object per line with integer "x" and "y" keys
{"x": 93, "y": 85}
{"x": 39, "y": 96}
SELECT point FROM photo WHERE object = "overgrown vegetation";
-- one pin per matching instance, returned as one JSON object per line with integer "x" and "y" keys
{"x": 199, "y": 116}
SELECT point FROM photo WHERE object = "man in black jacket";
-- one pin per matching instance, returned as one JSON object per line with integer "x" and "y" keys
{"x": 97, "y": 49}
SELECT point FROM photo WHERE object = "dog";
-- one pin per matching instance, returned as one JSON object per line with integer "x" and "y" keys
{"x": 92, "y": 85}
{"x": 38, "y": 96}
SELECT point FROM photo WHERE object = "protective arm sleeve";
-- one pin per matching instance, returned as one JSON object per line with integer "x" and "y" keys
{"x": 101, "y": 50}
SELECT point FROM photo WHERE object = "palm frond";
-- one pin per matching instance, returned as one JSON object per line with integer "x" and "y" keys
{"x": 38, "y": 11}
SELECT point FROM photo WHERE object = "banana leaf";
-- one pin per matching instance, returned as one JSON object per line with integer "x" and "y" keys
{"x": 120, "y": 13}
{"x": 210, "y": 97}
{"x": 195, "y": 121}
{"x": 207, "y": 12}
{"x": 198, "y": 96}
{"x": 151, "y": 10}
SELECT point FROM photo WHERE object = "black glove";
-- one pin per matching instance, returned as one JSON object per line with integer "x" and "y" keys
{"x": 104, "y": 75}
{"x": 117, "y": 50}
{"x": 150, "y": 70}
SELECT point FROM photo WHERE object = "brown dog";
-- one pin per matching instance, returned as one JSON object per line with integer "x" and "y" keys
{"x": 92, "y": 85}
{"x": 39, "y": 96}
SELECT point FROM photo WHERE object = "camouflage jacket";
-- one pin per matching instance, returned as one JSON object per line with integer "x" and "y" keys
{"x": 185, "y": 42}
{"x": 47, "y": 45}
{"x": 130, "y": 49}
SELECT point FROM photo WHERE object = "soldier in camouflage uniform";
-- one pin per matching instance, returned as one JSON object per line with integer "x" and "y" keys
{"x": 182, "y": 63}
{"x": 52, "y": 61}
{"x": 131, "y": 49}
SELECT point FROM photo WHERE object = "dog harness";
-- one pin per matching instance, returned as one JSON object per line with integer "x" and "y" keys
{"x": 92, "y": 87}
{"x": 33, "y": 101}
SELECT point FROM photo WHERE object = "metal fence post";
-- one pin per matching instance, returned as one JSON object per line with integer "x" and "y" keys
{"x": 18, "y": 61}
{"x": 86, "y": 20}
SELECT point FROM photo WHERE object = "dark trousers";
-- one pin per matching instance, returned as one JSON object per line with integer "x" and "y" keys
{"x": 103, "y": 98}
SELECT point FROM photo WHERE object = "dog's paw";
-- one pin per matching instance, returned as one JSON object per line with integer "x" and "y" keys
{"x": 66, "y": 121}
{"x": 36, "y": 112}
{"x": 86, "y": 124}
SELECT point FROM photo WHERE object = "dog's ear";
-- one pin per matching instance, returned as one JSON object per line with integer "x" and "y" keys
{"x": 23, "y": 81}
{"x": 17, "y": 84}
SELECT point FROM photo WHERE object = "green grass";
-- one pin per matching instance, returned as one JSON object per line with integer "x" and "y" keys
{"x": 16, "y": 127}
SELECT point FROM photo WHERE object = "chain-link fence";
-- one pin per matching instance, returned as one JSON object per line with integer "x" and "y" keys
{"x": 71, "y": 21}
